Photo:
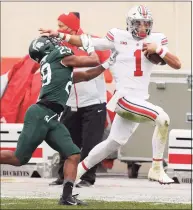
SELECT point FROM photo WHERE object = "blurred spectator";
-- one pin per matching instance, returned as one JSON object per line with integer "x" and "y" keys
{"x": 85, "y": 113}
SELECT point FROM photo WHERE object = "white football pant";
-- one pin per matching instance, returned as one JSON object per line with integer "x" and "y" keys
{"x": 130, "y": 112}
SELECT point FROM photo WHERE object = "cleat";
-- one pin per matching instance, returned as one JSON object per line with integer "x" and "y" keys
{"x": 71, "y": 200}
{"x": 159, "y": 176}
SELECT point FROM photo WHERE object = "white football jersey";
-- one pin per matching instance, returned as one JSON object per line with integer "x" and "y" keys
{"x": 132, "y": 69}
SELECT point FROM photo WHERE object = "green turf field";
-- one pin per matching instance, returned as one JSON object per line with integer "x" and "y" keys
{"x": 52, "y": 204}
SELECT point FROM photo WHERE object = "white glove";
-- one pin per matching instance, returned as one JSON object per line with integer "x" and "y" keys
{"x": 87, "y": 43}
{"x": 111, "y": 60}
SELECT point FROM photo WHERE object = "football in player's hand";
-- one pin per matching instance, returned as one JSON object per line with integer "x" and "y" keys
{"x": 156, "y": 59}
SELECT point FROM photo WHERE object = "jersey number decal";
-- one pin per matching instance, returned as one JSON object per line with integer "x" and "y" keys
{"x": 46, "y": 74}
{"x": 138, "y": 72}
{"x": 68, "y": 86}
{"x": 64, "y": 50}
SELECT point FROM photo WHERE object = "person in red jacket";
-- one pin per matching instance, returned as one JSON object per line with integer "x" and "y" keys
{"x": 85, "y": 113}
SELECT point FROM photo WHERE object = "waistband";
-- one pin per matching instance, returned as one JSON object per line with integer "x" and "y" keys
{"x": 55, "y": 107}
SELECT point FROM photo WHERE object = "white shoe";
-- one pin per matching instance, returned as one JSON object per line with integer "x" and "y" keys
{"x": 159, "y": 176}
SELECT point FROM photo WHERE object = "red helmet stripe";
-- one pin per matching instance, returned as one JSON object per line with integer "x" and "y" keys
{"x": 143, "y": 10}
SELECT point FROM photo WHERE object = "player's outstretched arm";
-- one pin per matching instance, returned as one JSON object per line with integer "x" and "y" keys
{"x": 92, "y": 73}
{"x": 81, "y": 61}
{"x": 83, "y": 76}
{"x": 84, "y": 40}
{"x": 72, "y": 39}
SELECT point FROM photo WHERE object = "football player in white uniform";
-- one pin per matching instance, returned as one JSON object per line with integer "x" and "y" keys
{"x": 131, "y": 73}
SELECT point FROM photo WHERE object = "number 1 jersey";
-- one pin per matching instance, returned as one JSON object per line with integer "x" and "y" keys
{"x": 56, "y": 78}
{"x": 132, "y": 69}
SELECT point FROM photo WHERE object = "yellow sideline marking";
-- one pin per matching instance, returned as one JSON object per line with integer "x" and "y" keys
{"x": 3, "y": 179}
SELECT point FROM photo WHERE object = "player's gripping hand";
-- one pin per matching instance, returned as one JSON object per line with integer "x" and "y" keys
{"x": 87, "y": 43}
{"x": 48, "y": 32}
{"x": 111, "y": 60}
{"x": 149, "y": 48}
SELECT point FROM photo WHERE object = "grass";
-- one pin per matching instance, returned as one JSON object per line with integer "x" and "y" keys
{"x": 7, "y": 203}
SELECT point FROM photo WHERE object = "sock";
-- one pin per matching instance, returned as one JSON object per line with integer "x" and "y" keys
{"x": 158, "y": 144}
{"x": 67, "y": 188}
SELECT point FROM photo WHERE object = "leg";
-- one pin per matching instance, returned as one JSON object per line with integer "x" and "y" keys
{"x": 61, "y": 164}
{"x": 31, "y": 136}
{"x": 60, "y": 140}
{"x": 159, "y": 140}
{"x": 133, "y": 168}
{"x": 71, "y": 120}
{"x": 93, "y": 124}
{"x": 60, "y": 179}
{"x": 142, "y": 111}
{"x": 121, "y": 131}
{"x": 8, "y": 157}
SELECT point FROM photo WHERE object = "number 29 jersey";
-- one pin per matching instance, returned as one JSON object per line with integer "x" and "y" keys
{"x": 56, "y": 78}
{"x": 132, "y": 69}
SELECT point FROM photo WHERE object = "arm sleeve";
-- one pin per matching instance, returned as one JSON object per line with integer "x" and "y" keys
{"x": 106, "y": 43}
{"x": 102, "y": 44}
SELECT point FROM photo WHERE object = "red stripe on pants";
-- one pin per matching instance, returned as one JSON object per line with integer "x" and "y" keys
{"x": 137, "y": 109}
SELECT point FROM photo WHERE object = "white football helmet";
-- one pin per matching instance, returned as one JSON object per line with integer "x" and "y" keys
{"x": 135, "y": 16}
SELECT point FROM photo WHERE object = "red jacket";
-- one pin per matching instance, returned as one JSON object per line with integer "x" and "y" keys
{"x": 24, "y": 85}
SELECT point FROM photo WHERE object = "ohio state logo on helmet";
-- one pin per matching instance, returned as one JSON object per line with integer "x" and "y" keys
{"x": 143, "y": 11}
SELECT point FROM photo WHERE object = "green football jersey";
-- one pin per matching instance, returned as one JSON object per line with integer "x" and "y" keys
{"x": 56, "y": 78}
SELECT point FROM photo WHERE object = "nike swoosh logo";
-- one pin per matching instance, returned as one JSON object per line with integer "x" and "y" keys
{"x": 74, "y": 204}
{"x": 100, "y": 110}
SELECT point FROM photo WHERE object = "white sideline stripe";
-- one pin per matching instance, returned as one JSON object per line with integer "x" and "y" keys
{"x": 180, "y": 166}
{"x": 26, "y": 197}
{"x": 5, "y": 204}
{"x": 181, "y": 143}
{"x": 179, "y": 151}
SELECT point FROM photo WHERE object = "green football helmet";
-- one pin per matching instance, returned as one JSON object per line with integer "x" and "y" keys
{"x": 41, "y": 47}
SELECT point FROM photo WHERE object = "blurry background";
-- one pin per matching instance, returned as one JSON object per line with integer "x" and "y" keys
{"x": 20, "y": 22}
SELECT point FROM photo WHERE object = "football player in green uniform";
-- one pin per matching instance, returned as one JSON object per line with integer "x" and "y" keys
{"x": 41, "y": 119}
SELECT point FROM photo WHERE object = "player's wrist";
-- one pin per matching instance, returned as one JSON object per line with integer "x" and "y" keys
{"x": 65, "y": 37}
{"x": 90, "y": 50}
{"x": 161, "y": 51}
{"x": 105, "y": 65}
